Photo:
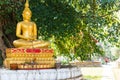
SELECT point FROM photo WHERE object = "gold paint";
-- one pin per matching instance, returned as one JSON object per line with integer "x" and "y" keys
{"x": 27, "y": 32}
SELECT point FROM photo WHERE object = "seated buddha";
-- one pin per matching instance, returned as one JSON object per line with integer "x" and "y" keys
{"x": 27, "y": 32}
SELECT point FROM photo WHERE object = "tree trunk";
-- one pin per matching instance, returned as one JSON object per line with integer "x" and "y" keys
{"x": 2, "y": 45}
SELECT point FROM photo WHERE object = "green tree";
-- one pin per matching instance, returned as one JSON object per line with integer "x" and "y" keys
{"x": 8, "y": 21}
{"x": 73, "y": 26}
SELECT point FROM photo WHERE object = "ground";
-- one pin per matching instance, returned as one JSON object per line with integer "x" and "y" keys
{"x": 105, "y": 72}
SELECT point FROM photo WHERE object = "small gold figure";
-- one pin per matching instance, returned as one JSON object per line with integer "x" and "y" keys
{"x": 27, "y": 32}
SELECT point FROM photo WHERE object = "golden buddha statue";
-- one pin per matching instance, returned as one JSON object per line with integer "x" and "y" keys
{"x": 27, "y": 32}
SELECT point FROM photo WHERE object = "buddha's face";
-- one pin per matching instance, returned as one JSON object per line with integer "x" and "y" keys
{"x": 27, "y": 15}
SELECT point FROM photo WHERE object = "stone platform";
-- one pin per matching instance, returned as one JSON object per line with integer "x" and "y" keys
{"x": 71, "y": 73}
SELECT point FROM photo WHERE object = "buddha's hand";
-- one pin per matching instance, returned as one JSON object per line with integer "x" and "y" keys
{"x": 30, "y": 38}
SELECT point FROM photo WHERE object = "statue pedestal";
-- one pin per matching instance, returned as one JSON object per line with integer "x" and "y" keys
{"x": 30, "y": 58}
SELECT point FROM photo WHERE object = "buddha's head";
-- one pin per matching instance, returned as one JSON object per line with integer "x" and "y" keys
{"x": 27, "y": 12}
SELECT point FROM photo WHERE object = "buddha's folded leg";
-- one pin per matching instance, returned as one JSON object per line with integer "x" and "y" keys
{"x": 22, "y": 43}
{"x": 40, "y": 42}
{"x": 42, "y": 45}
{"x": 26, "y": 47}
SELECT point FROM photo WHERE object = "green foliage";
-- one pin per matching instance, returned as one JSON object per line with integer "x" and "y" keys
{"x": 73, "y": 26}
{"x": 8, "y": 10}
